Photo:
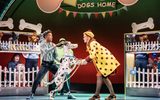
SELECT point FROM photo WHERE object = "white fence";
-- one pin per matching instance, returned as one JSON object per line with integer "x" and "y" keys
{"x": 141, "y": 78}
{"x": 17, "y": 78}
{"x": 19, "y": 46}
{"x": 142, "y": 46}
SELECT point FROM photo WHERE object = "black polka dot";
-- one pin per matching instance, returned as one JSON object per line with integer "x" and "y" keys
{"x": 62, "y": 75}
{"x": 101, "y": 48}
{"x": 92, "y": 50}
{"x": 62, "y": 68}
{"x": 96, "y": 62}
{"x": 97, "y": 52}
{"x": 96, "y": 48}
{"x": 111, "y": 63}
{"x": 106, "y": 63}
{"x": 106, "y": 53}
{"x": 104, "y": 73}
{"x": 100, "y": 68}
{"x": 106, "y": 57}
{"x": 111, "y": 57}
{"x": 102, "y": 53}
{"x": 96, "y": 57}
{"x": 101, "y": 63}
{"x": 110, "y": 69}
{"x": 96, "y": 44}
{"x": 116, "y": 64}
{"x": 101, "y": 57}
{"x": 105, "y": 69}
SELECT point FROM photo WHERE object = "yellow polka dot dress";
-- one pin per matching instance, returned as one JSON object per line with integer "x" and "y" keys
{"x": 103, "y": 59}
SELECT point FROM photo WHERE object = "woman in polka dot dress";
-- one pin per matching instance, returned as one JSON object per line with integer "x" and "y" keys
{"x": 104, "y": 62}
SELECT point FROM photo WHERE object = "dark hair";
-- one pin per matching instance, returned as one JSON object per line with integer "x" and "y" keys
{"x": 46, "y": 32}
{"x": 16, "y": 54}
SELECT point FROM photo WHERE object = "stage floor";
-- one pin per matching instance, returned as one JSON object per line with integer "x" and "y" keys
{"x": 80, "y": 96}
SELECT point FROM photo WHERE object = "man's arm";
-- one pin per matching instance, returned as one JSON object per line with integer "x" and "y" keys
{"x": 44, "y": 47}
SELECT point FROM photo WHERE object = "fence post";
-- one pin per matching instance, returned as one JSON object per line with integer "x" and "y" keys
{"x": 0, "y": 76}
{"x": 134, "y": 79}
{"x": 17, "y": 47}
{"x": 126, "y": 47}
{"x": 139, "y": 76}
{"x": 152, "y": 45}
{"x": 28, "y": 77}
{"x": 20, "y": 45}
{"x": 148, "y": 46}
{"x": 157, "y": 76}
{"x": 136, "y": 46}
{"x": 19, "y": 78}
{"x": 15, "y": 75}
{"x": 24, "y": 77}
{"x": 152, "y": 74}
{"x": 143, "y": 77}
{"x": 130, "y": 46}
{"x": 5, "y": 76}
{"x": 23, "y": 45}
{"x": 145, "y": 46}
{"x": 141, "y": 46}
{"x": 157, "y": 44}
{"x": 10, "y": 75}
{"x": 148, "y": 78}
{"x": 32, "y": 74}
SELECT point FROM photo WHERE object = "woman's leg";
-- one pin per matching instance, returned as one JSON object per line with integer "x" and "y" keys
{"x": 109, "y": 85}
{"x": 98, "y": 85}
{"x": 98, "y": 88}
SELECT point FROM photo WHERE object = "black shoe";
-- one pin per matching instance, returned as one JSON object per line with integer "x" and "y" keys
{"x": 70, "y": 96}
{"x": 30, "y": 97}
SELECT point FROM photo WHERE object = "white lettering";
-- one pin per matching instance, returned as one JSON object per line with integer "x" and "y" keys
{"x": 99, "y": 4}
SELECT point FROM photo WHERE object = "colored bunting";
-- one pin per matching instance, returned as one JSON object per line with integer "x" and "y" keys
{"x": 96, "y": 14}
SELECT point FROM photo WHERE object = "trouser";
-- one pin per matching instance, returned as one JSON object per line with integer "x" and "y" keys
{"x": 142, "y": 64}
{"x": 45, "y": 67}
{"x": 31, "y": 63}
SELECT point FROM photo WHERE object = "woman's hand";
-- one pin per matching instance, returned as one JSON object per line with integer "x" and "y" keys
{"x": 83, "y": 62}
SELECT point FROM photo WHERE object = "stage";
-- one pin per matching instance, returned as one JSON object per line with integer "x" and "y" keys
{"x": 80, "y": 96}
